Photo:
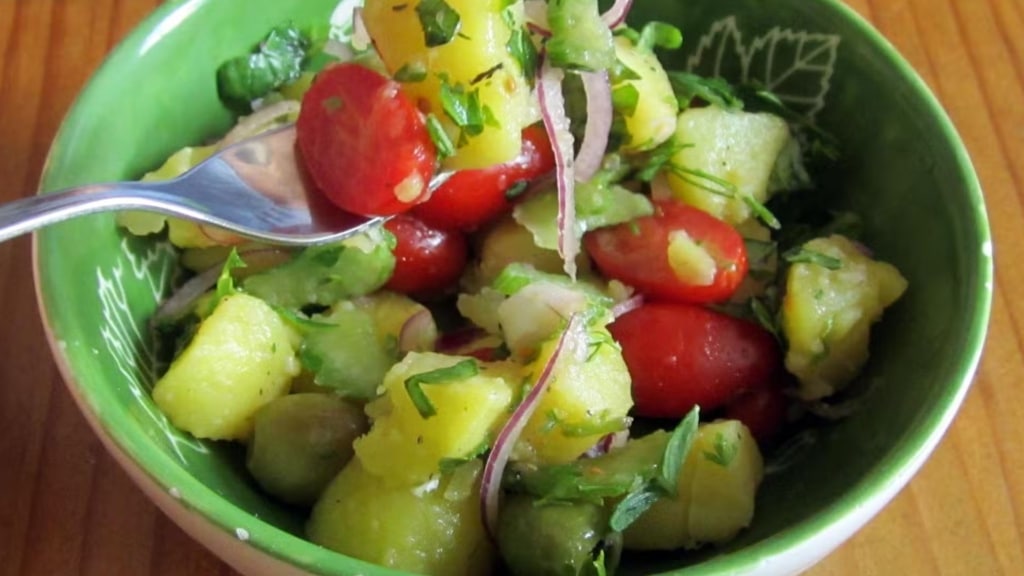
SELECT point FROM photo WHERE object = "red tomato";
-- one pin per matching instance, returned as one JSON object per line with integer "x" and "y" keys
{"x": 681, "y": 355}
{"x": 637, "y": 253}
{"x": 472, "y": 197}
{"x": 363, "y": 141}
{"x": 763, "y": 411}
{"x": 427, "y": 260}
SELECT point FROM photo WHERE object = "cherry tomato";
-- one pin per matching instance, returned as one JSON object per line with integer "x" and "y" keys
{"x": 637, "y": 253}
{"x": 681, "y": 355}
{"x": 473, "y": 197}
{"x": 363, "y": 141}
{"x": 428, "y": 260}
{"x": 762, "y": 410}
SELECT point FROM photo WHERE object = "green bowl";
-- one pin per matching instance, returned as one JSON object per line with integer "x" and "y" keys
{"x": 903, "y": 169}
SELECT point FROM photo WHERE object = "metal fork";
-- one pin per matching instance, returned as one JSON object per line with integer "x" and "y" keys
{"x": 254, "y": 188}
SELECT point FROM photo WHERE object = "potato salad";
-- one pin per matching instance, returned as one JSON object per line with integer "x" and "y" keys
{"x": 581, "y": 345}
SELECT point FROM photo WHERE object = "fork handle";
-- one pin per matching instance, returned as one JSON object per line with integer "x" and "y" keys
{"x": 28, "y": 214}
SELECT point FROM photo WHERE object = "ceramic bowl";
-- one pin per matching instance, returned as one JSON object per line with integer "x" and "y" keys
{"x": 903, "y": 168}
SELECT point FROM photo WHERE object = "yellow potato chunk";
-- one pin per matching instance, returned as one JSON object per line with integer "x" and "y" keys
{"x": 407, "y": 447}
{"x": 827, "y": 313}
{"x": 242, "y": 357}
{"x": 435, "y": 529}
{"x": 653, "y": 120}
{"x": 589, "y": 398}
{"x": 474, "y": 62}
{"x": 730, "y": 158}
{"x": 716, "y": 492}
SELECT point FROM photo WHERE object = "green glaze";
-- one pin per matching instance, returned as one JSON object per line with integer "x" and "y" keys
{"x": 903, "y": 169}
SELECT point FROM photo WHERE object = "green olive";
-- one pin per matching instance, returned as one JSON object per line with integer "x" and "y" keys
{"x": 300, "y": 442}
{"x": 556, "y": 539}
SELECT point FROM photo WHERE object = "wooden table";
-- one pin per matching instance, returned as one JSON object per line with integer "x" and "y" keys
{"x": 67, "y": 508}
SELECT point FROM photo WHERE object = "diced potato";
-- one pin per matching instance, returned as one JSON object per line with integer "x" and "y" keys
{"x": 589, "y": 398}
{"x": 476, "y": 61}
{"x": 827, "y": 314}
{"x": 406, "y": 447}
{"x": 434, "y": 529}
{"x": 654, "y": 118}
{"x": 690, "y": 261}
{"x": 535, "y": 313}
{"x": 716, "y": 493}
{"x": 731, "y": 157}
{"x": 241, "y": 358}
{"x": 509, "y": 242}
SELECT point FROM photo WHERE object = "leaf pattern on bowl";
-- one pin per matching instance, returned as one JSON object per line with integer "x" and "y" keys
{"x": 782, "y": 60}
{"x": 128, "y": 341}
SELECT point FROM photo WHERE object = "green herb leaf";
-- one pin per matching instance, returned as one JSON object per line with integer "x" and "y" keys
{"x": 658, "y": 158}
{"x": 801, "y": 255}
{"x": 762, "y": 212}
{"x": 520, "y": 47}
{"x": 463, "y": 108}
{"x": 516, "y": 189}
{"x": 625, "y": 98}
{"x": 764, "y": 317}
{"x": 440, "y": 22}
{"x": 660, "y": 35}
{"x": 632, "y": 507}
{"x": 599, "y": 568}
{"x": 411, "y": 72}
{"x": 725, "y": 451}
{"x": 226, "y": 282}
{"x": 445, "y": 146}
{"x": 677, "y": 449}
{"x": 715, "y": 91}
{"x": 277, "y": 61}
{"x": 414, "y": 384}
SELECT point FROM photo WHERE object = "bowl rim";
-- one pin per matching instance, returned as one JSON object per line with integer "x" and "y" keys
{"x": 796, "y": 548}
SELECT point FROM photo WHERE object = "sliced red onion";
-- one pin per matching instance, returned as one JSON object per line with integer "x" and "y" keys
{"x": 537, "y": 16}
{"x": 608, "y": 443}
{"x": 552, "y": 107}
{"x": 599, "y": 124}
{"x": 361, "y": 39}
{"x": 616, "y": 15}
{"x": 419, "y": 333}
{"x": 494, "y": 468}
{"x": 627, "y": 305}
{"x": 175, "y": 307}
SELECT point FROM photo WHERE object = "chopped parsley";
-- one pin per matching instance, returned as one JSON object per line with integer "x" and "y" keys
{"x": 625, "y": 98}
{"x": 411, "y": 72}
{"x": 278, "y": 60}
{"x": 445, "y": 146}
{"x": 801, "y": 255}
{"x": 464, "y": 109}
{"x": 660, "y": 35}
{"x": 440, "y": 22}
{"x": 724, "y": 451}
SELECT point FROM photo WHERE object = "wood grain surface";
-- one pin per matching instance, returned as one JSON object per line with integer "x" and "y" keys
{"x": 66, "y": 507}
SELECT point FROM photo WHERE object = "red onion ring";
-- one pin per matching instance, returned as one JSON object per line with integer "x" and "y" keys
{"x": 599, "y": 124}
{"x": 494, "y": 468}
{"x": 552, "y": 107}
{"x": 181, "y": 301}
{"x": 627, "y": 306}
{"x": 616, "y": 15}
{"x": 418, "y": 333}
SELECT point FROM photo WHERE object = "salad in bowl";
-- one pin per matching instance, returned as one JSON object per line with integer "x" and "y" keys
{"x": 614, "y": 299}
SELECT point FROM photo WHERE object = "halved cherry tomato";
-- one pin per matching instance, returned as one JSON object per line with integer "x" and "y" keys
{"x": 473, "y": 197}
{"x": 682, "y": 355}
{"x": 363, "y": 141}
{"x": 637, "y": 253}
{"x": 762, "y": 410}
{"x": 427, "y": 260}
